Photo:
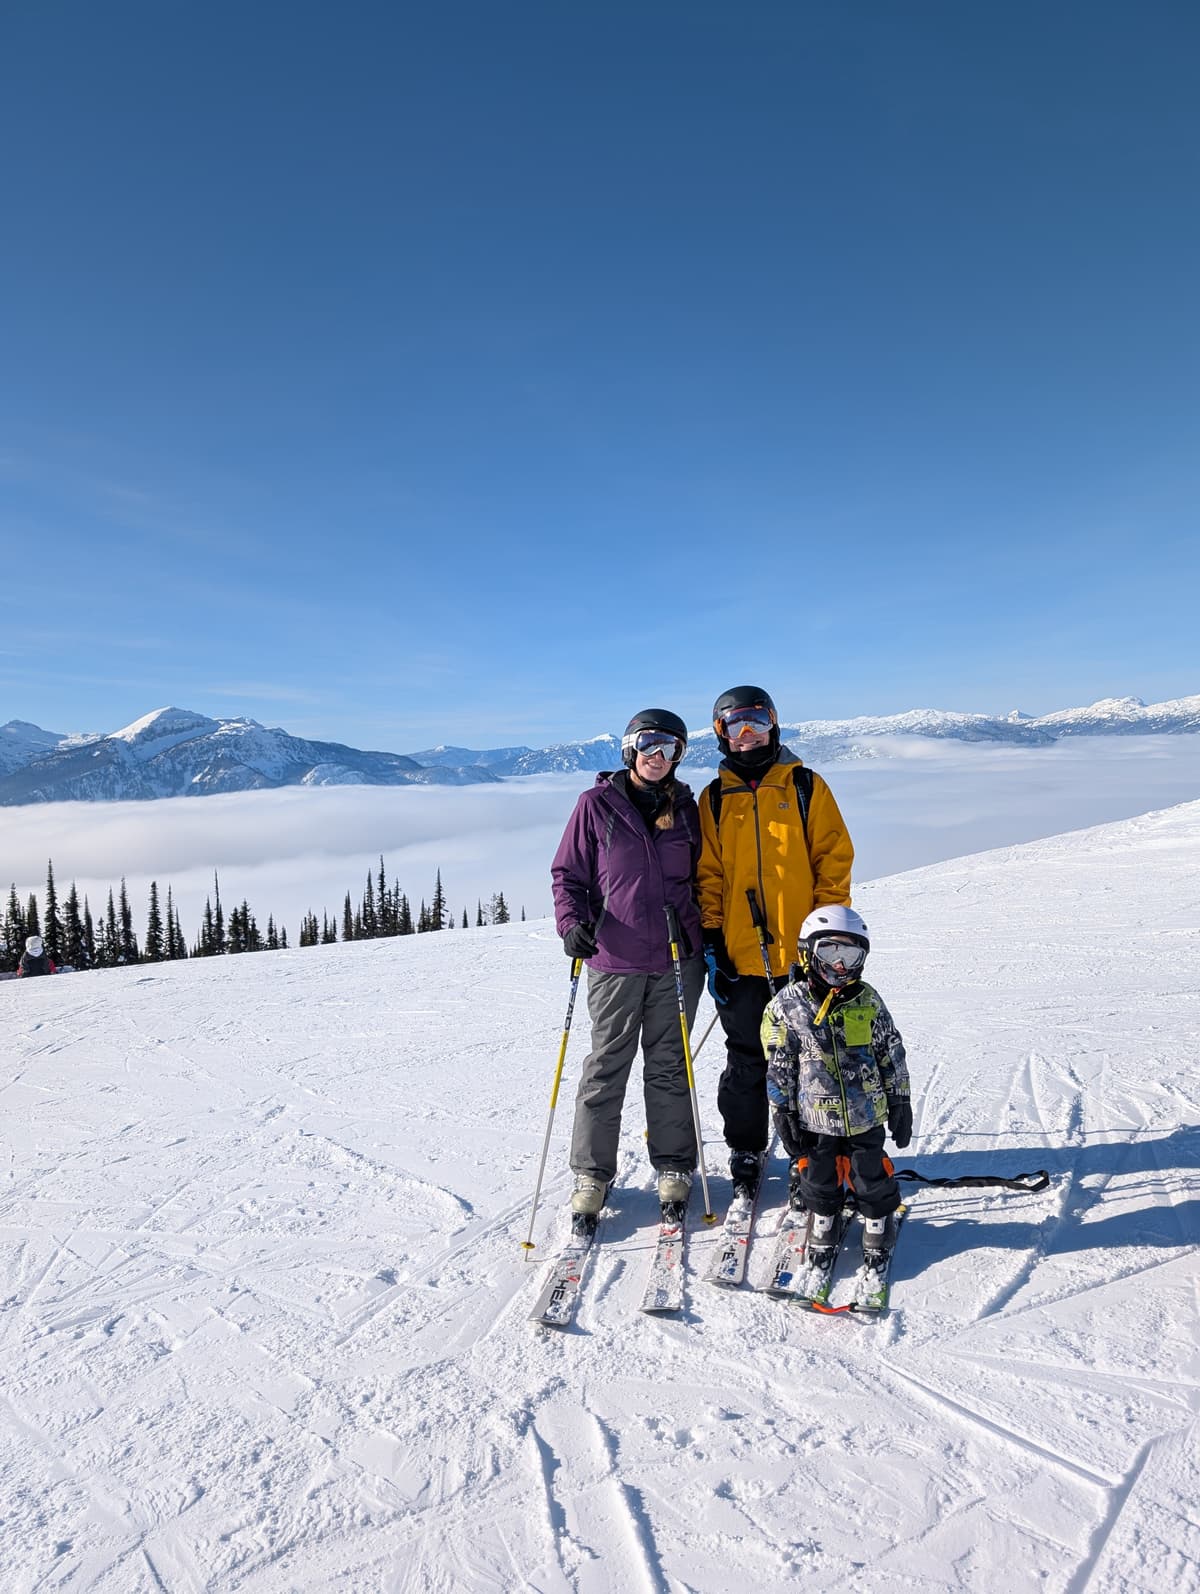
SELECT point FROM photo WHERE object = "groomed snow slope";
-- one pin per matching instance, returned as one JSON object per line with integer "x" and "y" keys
{"x": 264, "y": 1308}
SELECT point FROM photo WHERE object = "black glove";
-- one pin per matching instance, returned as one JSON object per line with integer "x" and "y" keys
{"x": 580, "y": 941}
{"x": 721, "y": 972}
{"x": 792, "y": 1133}
{"x": 900, "y": 1122}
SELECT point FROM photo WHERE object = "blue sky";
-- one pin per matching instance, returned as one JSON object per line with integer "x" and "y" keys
{"x": 483, "y": 373}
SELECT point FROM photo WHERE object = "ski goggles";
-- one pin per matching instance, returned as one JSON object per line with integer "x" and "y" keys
{"x": 738, "y": 720}
{"x": 849, "y": 954}
{"x": 651, "y": 742}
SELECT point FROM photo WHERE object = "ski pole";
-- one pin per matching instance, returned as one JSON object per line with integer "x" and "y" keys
{"x": 576, "y": 968}
{"x": 760, "y": 926}
{"x": 696, "y": 1050}
{"x": 673, "y": 933}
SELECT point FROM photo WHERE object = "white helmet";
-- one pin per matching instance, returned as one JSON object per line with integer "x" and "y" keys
{"x": 33, "y": 946}
{"x": 834, "y": 919}
{"x": 840, "y": 924}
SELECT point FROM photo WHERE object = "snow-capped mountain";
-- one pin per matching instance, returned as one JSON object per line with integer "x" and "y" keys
{"x": 498, "y": 759}
{"x": 176, "y": 753}
{"x": 21, "y": 743}
{"x": 830, "y": 741}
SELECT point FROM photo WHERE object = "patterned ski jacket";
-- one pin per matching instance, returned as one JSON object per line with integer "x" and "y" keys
{"x": 763, "y": 841}
{"x": 611, "y": 871}
{"x": 836, "y": 1077}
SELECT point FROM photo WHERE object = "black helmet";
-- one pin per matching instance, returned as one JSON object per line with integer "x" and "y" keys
{"x": 652, "y": 719}
{"x": 743, "y": 697}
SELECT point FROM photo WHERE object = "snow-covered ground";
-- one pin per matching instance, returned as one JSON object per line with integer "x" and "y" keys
{"x": 264, "y": 1307}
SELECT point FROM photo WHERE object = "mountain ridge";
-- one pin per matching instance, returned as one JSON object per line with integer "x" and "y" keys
{"x": 174, "y": 752}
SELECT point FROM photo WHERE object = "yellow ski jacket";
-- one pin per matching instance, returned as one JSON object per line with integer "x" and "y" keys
{"x": 762, "y": 843}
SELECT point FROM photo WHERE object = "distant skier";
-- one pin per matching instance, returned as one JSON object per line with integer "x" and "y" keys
{"x": 629, "y": 849}
{"x": 35, "y": 959}
{"x": 836, "y": 1075}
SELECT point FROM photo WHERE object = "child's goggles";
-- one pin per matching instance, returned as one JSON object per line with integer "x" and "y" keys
{"x": 848, "y": 954}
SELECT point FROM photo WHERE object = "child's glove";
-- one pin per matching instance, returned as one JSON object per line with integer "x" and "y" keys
{"x": 721, "y": 972}
{"x": 580, "y": 941}
{"x": 900, "y": 1122}
{"x": 793, "y": 1136}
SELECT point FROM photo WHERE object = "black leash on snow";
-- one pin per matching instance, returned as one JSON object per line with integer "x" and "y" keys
{"x": 1019, "y": 1181}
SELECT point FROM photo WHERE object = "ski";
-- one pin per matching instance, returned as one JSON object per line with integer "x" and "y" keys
{"x": 872, "y": 1284}
{"x": 787, "y": 1260}
{"x": 560, "y": 1295}
{"x": 728, "y": 1266}
{"x": 664, "y": 1288}
{"x": 796, "y": 1278}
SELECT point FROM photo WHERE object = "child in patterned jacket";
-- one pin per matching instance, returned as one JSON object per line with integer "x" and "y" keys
{"x": 837, "y": 1079}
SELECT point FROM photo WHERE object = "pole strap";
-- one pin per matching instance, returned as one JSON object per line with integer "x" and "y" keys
{"x": 977, "y": 1181}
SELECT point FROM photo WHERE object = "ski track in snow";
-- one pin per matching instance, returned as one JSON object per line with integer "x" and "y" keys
{"x": 264, "y": 1311}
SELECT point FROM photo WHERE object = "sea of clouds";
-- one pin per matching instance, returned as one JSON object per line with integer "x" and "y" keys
{"x": 289, "y": 851}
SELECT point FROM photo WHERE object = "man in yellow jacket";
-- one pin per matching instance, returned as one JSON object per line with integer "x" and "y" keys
{"x": 770, "y": 826}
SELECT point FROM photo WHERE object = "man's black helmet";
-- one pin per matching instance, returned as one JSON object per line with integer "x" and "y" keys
{"x": 743, "y": 697}
{"x": 652, "y": 719}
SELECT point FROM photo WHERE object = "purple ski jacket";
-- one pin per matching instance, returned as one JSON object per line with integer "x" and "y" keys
{"x": 611, "y": 871}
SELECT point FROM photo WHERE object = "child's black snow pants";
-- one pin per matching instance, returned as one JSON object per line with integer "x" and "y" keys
{"x": 875, "y": 1189}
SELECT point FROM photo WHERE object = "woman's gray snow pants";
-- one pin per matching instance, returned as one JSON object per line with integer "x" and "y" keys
{"x": 624, "y": 1007}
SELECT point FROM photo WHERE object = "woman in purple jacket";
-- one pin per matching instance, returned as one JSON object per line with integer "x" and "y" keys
{"x": 630, "y": 848}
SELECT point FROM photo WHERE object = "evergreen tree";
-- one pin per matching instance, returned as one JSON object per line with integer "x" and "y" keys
{"x": 33, "y": 925}
{"x": 89, "y": 937}
{"x": 218, "y": 918}
{"x": 347, "y": 919}
{"x": 128, "y": 943}
{"x": 235, "y": 937}
{"x": 370, "y": 923}
{"x": 422, "y": 918}
{"x": 404, "y": 918}
{"x": 112, "y": 939}
{"x": 272, "y": 934}
{"x": 465, "y": 925}
{"x": 480, "y": 921}
{"x": 73, "y": 952}
{"x": 522, "y": 913}
{"x": 499, "y": 909}
{"x": 175, "y": 947}
{"x": 52, "y": 928}
{"x": 14, "y": 931}
{"x": 437, "y": 908}
{"x": 328, "y": 931}
{"x": 206, "y": 944}
{"x": 283, "y": 938}
{"x": 386, "y": 923}
{"x": 156, "y": 944}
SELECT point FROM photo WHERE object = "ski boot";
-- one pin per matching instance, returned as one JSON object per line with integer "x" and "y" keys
{"x": 822, "y": 1239}
{"x": 674, "y": 1185}
{"x": 875, "y": 1246}
{"x": 589, "y": 1195}
{"x": 745, "y": 1170}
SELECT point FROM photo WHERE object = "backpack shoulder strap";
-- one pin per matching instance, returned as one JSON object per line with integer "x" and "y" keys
{"x": 803, "y": 778}
{"x": 713, "y": 790}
